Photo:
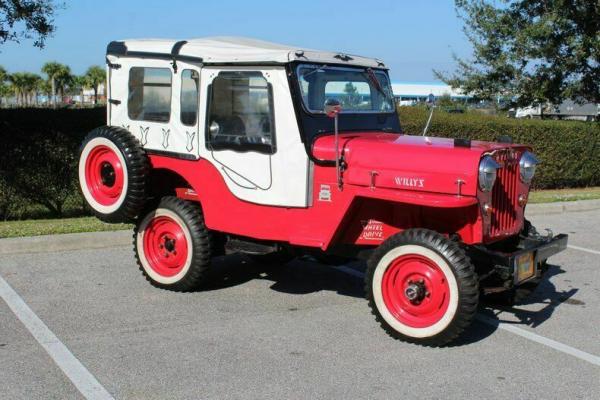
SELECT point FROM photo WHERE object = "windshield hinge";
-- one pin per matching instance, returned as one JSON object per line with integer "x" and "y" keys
{"x": 343, "y": 57}
{"x": 111, "y": 65}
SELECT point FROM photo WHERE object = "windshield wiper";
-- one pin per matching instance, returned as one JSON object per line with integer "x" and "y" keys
{"x": 316, "y": 69}
{"x": 373, "y": 79}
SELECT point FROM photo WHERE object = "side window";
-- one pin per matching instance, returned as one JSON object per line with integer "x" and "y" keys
{"x": 189, "y": 96}
{"x": 149, "y": 94}
{"x": 240, "y": 113}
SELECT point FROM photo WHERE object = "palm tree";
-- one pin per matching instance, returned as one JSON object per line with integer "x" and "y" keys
{"x": 79, "y": 84}
{"x": 18, "y": 83}
{"x": 25, "y": 86}
{"x": 4, "y": 89}
{"x": 54, "y": 71}
{"x": 96, "y": 76}
{"x": 46, "y": 90}
{"x": 33, "y": 83}
{"x": 64, "y": 80}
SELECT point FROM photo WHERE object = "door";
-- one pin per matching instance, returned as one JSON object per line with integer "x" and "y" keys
{"x": 251, "y": 135}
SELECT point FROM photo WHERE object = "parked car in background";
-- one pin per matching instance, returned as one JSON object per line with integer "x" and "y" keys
{"x": 568, "y": 110}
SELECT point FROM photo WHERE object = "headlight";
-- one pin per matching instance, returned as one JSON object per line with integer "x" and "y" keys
{"x": 527, "y": 167}
{"x": 488, "y": 169}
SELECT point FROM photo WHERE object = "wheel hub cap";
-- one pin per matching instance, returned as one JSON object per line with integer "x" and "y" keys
{"x": 165, "y": 246}
{"x": 415, "y": 290}
{"x": 104, "y": 175}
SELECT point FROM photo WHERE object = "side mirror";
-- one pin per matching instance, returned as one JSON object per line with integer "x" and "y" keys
{"x": 332, "y": 107}
{"x": 214, "y": 129}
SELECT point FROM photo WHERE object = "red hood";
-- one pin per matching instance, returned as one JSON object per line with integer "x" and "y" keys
{"x": 408, "y": 162}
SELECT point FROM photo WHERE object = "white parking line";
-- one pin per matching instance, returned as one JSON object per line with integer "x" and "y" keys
{"x": 83, "y": 380}
{"x": 583, "y": 249}
{"x": 582, "y": 355}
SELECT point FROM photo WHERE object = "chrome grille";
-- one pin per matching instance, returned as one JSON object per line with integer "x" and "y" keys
{"x": 505, "y": 218}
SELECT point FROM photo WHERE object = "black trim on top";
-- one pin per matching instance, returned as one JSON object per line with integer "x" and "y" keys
{"x": 175, "y": 52}
{"x": 120, "y": 49}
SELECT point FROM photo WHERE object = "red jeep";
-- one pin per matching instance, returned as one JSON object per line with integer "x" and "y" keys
{"x": 274, "y": 150}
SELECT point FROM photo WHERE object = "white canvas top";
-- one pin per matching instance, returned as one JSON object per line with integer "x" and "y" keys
{"x": 246, "y": 50}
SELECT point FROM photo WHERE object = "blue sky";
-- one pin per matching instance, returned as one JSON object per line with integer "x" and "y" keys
{"x": 412, "y": 37}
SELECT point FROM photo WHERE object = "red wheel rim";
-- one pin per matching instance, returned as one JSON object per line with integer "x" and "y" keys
{"x": 165, "y": 246}
{"x": 412, "y": 272}
{"x": 104, "y": 175}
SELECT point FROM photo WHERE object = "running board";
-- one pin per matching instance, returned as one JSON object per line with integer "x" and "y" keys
{"x": 237, "y": 245}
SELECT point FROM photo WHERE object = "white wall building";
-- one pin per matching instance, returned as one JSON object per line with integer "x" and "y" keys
{"x": 411, "y": 92}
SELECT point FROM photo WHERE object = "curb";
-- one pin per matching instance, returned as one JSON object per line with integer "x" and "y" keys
{"x": 102, "y": 240}
{"x": 65, "y": 242}
{"x": 562, "y": 207}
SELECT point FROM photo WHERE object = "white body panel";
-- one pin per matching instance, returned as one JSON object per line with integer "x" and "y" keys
{"x": 279, "y": 179}
{"x": 171, "y": 136}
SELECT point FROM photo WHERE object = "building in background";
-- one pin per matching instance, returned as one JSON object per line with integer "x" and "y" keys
{"x": 410, "y": 93}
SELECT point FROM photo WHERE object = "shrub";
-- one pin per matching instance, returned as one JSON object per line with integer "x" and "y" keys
{"x": 39, "y": 165}
{"x": 39, "y": 161}
{"x": 569, "y": 151}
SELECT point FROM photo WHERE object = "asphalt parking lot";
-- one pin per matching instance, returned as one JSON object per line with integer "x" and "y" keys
{"x": 299, "y": 331}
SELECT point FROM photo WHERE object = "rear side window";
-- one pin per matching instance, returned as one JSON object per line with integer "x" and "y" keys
{"x": 149, "y": 94}
{"x": 240, "y": 113}
{"x": 189, "y": 97}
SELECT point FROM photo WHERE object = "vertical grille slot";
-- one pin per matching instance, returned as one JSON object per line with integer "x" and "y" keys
{"x": 505, "y": 197}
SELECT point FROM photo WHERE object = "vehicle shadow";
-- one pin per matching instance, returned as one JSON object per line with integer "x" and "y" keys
{"x": 304, "y": 276}
{"x": 545, "y": 295}
{"x": 296, "y": 277}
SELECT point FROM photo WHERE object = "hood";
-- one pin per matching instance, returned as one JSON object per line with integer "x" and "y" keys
{"x": 408, "y": 162}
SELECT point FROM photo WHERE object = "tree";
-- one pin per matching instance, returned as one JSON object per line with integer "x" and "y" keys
{"x": 531, "y": 50}
{"x": 54, "y": 71}
{"x": 64, "y": 80}
{"x": 352, "y": 96}
{"x": 79, "y": 84}
{"x": 18, "y": 83}
{"x": 25, "y": 86}
{"x": 27, "y": 19}
{"x": 4, "y": 88}
{"x": 96, "y": 76}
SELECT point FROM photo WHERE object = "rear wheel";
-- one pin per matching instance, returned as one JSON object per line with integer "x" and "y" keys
{"x": 421, "y": 287}
{"x": 173, "y": 246}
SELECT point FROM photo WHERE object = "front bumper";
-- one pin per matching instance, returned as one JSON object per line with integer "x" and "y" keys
{"x": 505, "y": 263}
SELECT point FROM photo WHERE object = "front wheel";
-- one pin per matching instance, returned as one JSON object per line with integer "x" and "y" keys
{"x": 421, "y": 287}
{"x": 173, "y": 246}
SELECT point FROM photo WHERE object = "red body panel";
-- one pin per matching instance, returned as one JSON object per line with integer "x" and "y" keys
{"x": 364, "y": 212}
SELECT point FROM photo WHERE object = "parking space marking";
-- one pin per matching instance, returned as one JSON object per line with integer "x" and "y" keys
{"x": 583, "y": 249}
{"x": 582, "y": 355}
{"x": 81, "y": 378}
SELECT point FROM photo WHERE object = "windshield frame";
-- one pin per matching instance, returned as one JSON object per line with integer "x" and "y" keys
{"x": 354, "y": 68}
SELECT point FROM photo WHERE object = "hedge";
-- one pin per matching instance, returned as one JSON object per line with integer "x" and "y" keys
{"x": 569, "y": 151}
{"x": 38, "y": 165}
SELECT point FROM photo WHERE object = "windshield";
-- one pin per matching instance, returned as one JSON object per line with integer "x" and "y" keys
{"x": 359, "y": 90}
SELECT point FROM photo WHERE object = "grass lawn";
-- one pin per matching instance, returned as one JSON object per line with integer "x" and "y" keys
{"x": 552, "y": 196}
{"x": 34, "y": 227}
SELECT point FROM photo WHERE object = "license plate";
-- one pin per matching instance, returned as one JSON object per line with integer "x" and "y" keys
{"x": 525, "y": 266}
